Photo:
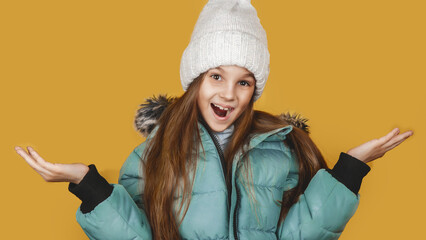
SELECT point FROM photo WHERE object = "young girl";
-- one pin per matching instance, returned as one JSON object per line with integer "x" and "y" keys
{"x": 212, "y": 167}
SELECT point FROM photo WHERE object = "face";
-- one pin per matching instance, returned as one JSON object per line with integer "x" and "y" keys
{"x": 224, "y": 94}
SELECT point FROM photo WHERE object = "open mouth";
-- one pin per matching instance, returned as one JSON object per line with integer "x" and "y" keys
{"x": 221, "y": 111}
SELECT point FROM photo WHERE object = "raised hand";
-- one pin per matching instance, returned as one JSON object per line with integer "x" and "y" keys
{"x": 376, "y": 148}
{"x": 53, "y": 172}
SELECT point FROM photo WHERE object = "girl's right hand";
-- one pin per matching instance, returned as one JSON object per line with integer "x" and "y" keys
{"x": 53, "y": 172}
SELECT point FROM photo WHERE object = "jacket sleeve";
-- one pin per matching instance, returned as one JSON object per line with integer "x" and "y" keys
{"x": 113, "y": 211}
{"x": 329, "y": 201}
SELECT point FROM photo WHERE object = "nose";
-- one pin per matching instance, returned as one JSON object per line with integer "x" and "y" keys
{"x": 228, "y": 92}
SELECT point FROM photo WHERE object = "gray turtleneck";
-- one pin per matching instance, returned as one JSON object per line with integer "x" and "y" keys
{"x": 224, "y": 136}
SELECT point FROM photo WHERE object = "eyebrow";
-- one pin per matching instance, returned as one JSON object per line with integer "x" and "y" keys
{"x": 249, "y": 74}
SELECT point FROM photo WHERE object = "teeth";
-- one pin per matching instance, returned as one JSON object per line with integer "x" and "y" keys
{"x": 227, "y": 109}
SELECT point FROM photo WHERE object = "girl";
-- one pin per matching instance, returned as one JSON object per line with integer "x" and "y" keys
{"x": 212, "y": 167}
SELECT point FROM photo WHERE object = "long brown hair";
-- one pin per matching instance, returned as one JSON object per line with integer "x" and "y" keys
{"x": 171, "y": 155}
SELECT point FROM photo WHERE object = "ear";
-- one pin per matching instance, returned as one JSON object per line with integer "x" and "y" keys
{"x": 149, "y": 112}
{"x": 296, "y": 120}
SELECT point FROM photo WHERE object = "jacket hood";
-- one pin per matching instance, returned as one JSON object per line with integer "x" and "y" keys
{"x": 150, "y": 111}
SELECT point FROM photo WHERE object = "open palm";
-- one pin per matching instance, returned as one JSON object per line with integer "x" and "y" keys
{"x": 376, "y": 148}
{"x": 53, "y": 172}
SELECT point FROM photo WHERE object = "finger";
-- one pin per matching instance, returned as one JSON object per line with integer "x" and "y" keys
{"x": 388, "y": 137}
{"x": 397, "y": 140}
{"x": 40, "y": 160}
{"x": 388, "y": 148}
{"x": 30, "y": 161}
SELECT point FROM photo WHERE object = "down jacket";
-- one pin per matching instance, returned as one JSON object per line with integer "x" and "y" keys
{"x": 115, "y": 211}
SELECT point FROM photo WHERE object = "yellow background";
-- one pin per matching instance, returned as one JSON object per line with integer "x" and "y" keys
{"x": 74, "y": 72}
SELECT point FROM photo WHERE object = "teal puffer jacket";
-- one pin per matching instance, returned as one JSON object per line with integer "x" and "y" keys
{"x": 321, "y": 212}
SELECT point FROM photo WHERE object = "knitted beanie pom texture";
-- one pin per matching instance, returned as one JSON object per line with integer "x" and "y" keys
{"x": 227, "y": 32}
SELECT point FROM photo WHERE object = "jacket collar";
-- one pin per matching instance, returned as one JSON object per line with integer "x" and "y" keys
{"x": 278, "y": 134}
{"x": 150, "y": 111}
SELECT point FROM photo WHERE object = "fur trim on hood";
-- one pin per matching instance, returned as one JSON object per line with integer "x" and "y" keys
{"x": 151, "y": 110}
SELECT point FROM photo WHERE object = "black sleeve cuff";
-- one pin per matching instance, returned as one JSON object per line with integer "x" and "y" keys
{"x": 349, "y": 171}
{"x": 92, "y": 190}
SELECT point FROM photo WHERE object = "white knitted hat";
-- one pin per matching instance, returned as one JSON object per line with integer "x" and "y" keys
{"x": 227, "y": 32}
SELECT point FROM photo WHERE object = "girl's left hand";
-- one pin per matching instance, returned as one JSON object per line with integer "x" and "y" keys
{"x": 376, "y": 148}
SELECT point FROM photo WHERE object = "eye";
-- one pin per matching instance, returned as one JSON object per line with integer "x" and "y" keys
{"x": 244, "y": 83}
{"x": 215, "y": 75}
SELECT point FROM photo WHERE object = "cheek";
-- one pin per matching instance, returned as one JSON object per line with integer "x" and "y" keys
{"x": 245, "y": 98}
{"x": 205, "y": 91}
{"x": 201, "y": 102}
{"x": 202, "y": 99}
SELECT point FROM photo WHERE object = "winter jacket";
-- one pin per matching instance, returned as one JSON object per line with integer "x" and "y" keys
{"x": 115, "y": 211}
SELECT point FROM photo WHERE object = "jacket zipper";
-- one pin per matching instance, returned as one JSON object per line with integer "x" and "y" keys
{"x": 218, "y": 148}
{"x": 222, "y": 159}
{"x": 236, "y": 210}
